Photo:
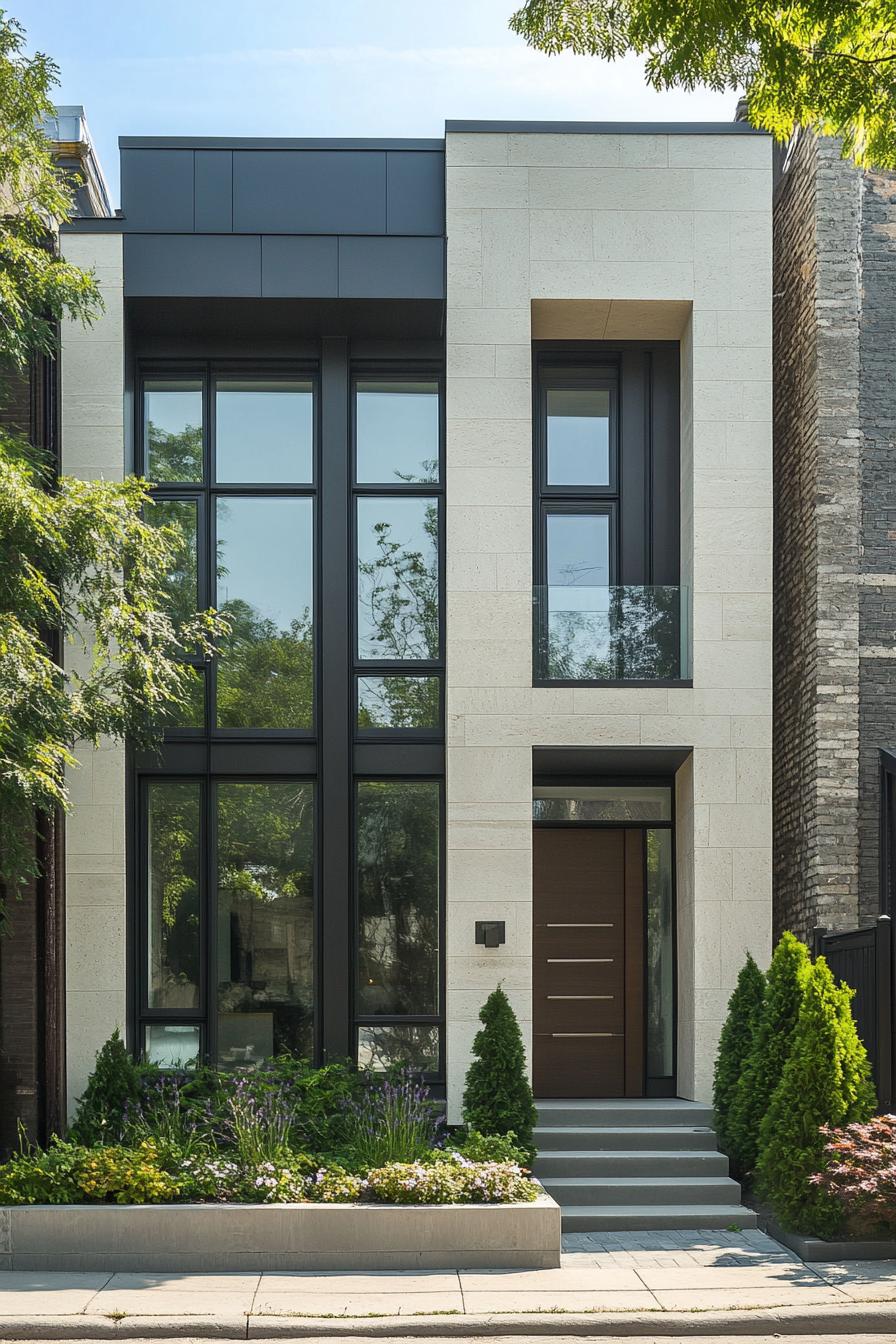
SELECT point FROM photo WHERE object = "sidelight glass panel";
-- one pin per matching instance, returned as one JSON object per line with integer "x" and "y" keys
{"x": 265, "y": 589}
{"x": 264, "y": 431}
{"x": 172, "y": 430}
{"x": 660, "y": 956}
{"x": 265, "y": 917}
{"x": 597, "y": 802}
{"x": 578, "y": 436}
{"x": 578, "y": 598}
{"x": 398, "y": 578}
{"x": 173, "y": 883}
{"x": 398, "y": 897}
{"x": 382, "y": 1048}
{"x": 181, "y": 581}
{"x": 398, "y": 702}
{"x": 397, "y": 431}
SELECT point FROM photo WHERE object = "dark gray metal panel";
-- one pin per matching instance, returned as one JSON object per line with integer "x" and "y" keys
{"x": 391, "y": 268}
{"x": 584, "y": 762}
{"x": 415, "y": 193}
{"x": 309, "y": 191}
{"x": 299, "y": 268}
{"x": 213, "y": 184}
{"x": 192, "y": 266}
{"x": 157, "y": 190}
{"x": 271, "y": 142}
{"x": 601, "y": 128}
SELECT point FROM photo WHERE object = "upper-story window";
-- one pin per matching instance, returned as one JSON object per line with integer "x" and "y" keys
{"x": 398, "y": 552}
{"x": 605, "y": 609}
{"x": 232, "y": 460}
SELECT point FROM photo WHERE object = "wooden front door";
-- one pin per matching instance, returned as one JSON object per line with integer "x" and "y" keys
{"x": 588, "y": 962}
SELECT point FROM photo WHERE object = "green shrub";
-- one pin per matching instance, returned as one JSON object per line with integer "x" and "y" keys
{"x": 772, "y": 1039}
{"x": 497, "y": 1096}
{"x": 491, "y": 1148}
{"x": 735, "y": 1043}
{"x": 393, "y": 1120}
{"x": 334, "y": 1185}
{"x": 112, "y": 1091}
{"x": 69, "y": 1173}
{"x": 453, "y": 1180}
{"x": 826, "y": 1082}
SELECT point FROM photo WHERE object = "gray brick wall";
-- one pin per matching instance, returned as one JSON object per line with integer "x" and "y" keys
{"x": 835, "y": 559}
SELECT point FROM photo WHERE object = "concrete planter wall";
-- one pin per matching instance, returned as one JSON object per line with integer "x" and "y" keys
{"x": 221, "y": 1237}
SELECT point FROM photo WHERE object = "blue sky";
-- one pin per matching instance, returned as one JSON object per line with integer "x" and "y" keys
{"x": 305, "y": 67}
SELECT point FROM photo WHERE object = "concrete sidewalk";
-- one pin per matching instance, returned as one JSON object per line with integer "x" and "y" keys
{"x": 653, "y": 1283}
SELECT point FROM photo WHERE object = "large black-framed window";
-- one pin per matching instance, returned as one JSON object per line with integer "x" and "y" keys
{"x": 607, "y": 601}
{"x": 260, "y": 951}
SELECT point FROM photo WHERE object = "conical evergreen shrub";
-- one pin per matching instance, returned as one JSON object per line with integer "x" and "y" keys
{"x": 735, "y": 1043}
{"x": 497, "y": 1095}
{"x": 772, "y": 1039}
{"x": 826, "y": 1081}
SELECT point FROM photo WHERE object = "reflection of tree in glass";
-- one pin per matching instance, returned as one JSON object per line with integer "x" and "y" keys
{"x": 173, "y": 456}
{"x": 265, "y": 906}
{"x": 635, "y": 638}
{"x": 398, "y": 896}
{"x": 174, "y": 894}
{"x": 265, "y": 674}
{"x": 179, "y": 516}
{"x": 399, "y": 702}
{"x": 395, "y": 1045}
{"x": 399, "y": 592}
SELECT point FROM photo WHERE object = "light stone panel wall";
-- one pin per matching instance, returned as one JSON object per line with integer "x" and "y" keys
{"x": 669, "y": 220}
{"x": 92, "y": 367}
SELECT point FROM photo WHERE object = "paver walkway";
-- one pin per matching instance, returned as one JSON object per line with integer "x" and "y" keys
{"x": 600, "y": 1272}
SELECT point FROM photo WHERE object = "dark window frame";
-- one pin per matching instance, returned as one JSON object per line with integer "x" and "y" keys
{"x": 556, "y": 372}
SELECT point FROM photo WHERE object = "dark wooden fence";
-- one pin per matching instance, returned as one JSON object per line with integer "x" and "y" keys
{"x": 864, "y": 959}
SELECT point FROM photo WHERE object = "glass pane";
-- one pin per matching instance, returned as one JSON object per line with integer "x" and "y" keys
{"x": 601, "y": 803}
{"x": 398, "y": 897}
{"x": 264, "y": 431}
{"x": 578, "y": 598}
{"x": 382, "y": 1048}
{"x": 192, "y": 715}
{"x": 660, "y": 956}
{"x": 173, "y": 946}
{"x": 398, "y": 702}
{"x": 398, "y": 578}
{"x": 172, "y": 430}
{"x": 171, "y": 1046}
{"x": 578, "y": 435}
{"x": 397, "y": 431}
{"x": 265, "y": 920}
{"x": 182, "y": 580}
{"x": 265, "y": 583}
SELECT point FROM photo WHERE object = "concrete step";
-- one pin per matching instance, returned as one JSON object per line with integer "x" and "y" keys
{"x": 646, "y": 1138}
{"x": 626, "y": 1164}
{"x": 655, "y": 1217}
{"x": 618, "y": 1113}
{"x": 656, "y": 1190}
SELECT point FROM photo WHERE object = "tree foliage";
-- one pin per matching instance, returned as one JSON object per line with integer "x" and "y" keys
{"x": 37, "y": 286}
{"x": 772, "y": 1040}
{"x": 826, "y": 65}
{"x": 735, "y": 1043}
{"x": 826, "y": 1081}
{"x": 497, "y": 1096}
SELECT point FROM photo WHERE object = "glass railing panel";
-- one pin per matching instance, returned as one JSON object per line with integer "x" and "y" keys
{"x": 628, "y": 632}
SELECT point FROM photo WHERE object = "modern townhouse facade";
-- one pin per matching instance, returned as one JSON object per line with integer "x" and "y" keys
{"x": 835, "y": 599}
{"x": 471, "y": 441}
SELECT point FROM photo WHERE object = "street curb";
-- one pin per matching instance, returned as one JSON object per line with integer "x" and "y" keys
{"x": 863, "y": 1318}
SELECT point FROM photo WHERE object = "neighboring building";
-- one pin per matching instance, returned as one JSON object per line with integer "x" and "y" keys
{"x": 472, "y": 440}
{"x": 835, "y": 560}
{"x": 31, "y": 969}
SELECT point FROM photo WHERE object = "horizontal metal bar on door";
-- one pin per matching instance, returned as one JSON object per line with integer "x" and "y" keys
{"x": 580, "y": 926}
{"x": 565, "y": 1035}
{"x": 578, "y": 961}
{"x": 579, "y": 996}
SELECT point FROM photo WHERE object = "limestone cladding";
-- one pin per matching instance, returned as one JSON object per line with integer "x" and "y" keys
{"x": 92, "y": 433}
{"x": 653, "y": 220}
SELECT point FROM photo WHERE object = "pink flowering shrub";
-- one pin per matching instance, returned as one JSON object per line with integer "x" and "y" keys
{"x": 860, "y": 1173}
{"x": 453, "y": 1179}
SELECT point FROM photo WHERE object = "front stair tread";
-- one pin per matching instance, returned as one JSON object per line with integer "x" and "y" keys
{"x": 622, "y": 1112}
{"x": 607, "y": 1138}
{"x": 636, "y": 1162}
{"x": 655, "y": 1217}
{"x": 639, "y": 1190}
